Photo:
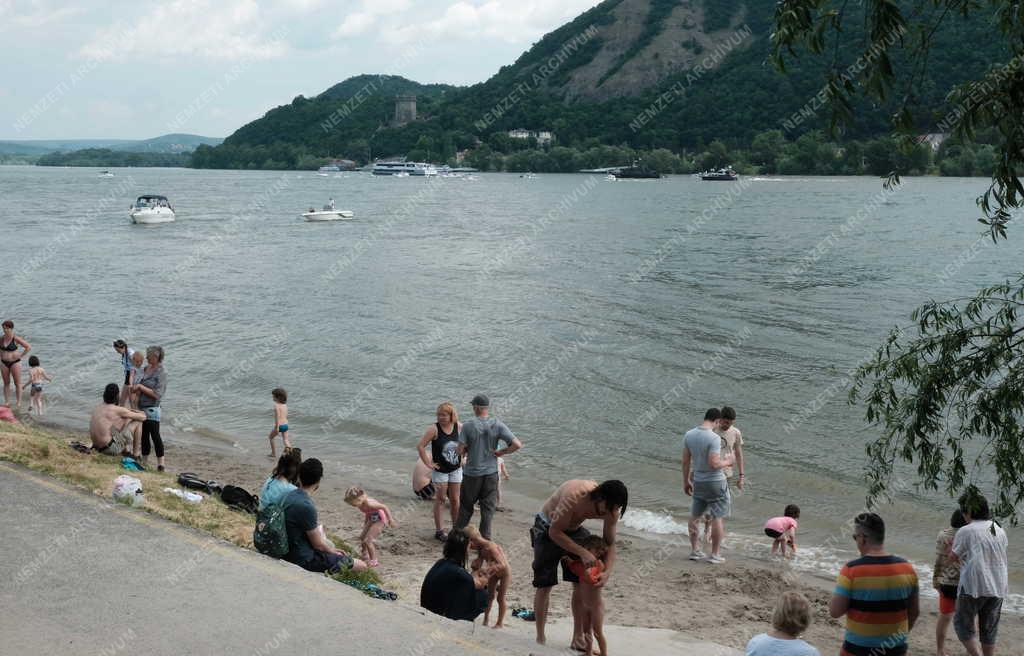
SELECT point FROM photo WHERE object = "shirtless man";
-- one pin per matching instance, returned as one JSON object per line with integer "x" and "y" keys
{"x": 555, "y": 531}
{"x": 491, "y": 556}
{"x": 114, "y": 428}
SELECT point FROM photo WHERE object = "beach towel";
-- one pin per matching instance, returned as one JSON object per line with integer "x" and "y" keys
{"x": 131, "y": 464}
{"x": 7, "y": 415}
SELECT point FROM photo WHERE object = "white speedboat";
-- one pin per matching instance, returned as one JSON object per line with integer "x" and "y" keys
{"x": 151, "y": 209}
{"x": 327, "y": 215}
{"x": 106, "y": 174}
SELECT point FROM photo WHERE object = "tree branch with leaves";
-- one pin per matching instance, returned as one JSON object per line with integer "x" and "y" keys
{"x": 947, "y": 391}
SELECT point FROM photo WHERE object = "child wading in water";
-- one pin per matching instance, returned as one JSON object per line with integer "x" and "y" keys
{"x": 376, "y": 516}
{"x": 592, "y": 615}
{"x": 134, "y": 375}
{"x": 783, "y": 530}
{"x": 491, "y": 560}
{"x": 36, "y": 376}
{"x": 280, "y": 420}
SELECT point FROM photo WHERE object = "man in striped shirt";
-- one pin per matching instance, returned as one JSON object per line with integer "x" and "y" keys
{"x": 877, "y": 592}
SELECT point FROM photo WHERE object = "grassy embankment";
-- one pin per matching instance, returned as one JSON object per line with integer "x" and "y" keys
{"x": 47, "y": 451}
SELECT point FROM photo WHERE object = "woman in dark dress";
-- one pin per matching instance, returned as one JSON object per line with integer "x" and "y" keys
{"x": 451, "y": 591}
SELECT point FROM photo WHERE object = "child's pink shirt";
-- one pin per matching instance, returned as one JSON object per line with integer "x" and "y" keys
{"x": 780, "y": 524}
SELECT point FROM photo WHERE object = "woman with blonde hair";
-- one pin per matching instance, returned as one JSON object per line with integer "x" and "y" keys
{"x": 444, "y": 461}
{"x": 791, "y": 618}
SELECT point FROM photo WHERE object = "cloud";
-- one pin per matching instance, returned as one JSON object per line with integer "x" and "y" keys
{"x": 230, "y": 29}
{"x": 360, "y": 21}
{"x": 511, "y": 21}
{"x": 355, "y": 24}
{"x": 33, "y": 14}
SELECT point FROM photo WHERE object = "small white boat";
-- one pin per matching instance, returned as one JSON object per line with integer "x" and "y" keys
{"x": 106, "y": 174}
{"x": 327, "y": 215}
{"x": 149, "y": 209}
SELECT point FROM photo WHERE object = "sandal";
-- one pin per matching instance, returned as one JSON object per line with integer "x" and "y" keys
{"x": 440, "y": 535}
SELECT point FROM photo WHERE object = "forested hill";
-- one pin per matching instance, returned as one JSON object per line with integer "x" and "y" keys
{"x": 691, "y": 71}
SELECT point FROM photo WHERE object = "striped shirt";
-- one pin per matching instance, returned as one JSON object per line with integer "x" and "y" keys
{"x": 879, "y": 589}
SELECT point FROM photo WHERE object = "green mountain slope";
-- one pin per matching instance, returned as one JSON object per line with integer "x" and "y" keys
{"x": 674, "y": 74}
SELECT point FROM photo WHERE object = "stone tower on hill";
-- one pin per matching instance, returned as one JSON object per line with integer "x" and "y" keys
{"x": 405, "y": 109}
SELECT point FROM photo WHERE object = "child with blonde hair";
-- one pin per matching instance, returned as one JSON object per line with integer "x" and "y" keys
{"x": 375, "y": 517}
{"x": 590, "y": 599}
{"x": 492, "y": 561}
{"x": 790, "y": 620}
{"x": 135, "y": 374}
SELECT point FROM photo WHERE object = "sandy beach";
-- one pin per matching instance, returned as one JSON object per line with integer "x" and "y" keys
{"x": 653, "y": 584}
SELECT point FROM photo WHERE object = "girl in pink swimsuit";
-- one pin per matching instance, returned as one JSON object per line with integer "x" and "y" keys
{"x": 783, "y": 529}
{"x": 375, "y": 517}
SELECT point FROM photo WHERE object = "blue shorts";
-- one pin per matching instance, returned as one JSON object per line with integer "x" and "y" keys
{"x": 283, "y": 428}
{"x": 712, "y": 498}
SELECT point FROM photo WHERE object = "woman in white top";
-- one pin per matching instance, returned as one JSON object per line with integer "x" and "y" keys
{"x": 791, "y": 618}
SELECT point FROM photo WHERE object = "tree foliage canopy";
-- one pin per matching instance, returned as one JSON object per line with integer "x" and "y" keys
{"x": 949, "y": 392}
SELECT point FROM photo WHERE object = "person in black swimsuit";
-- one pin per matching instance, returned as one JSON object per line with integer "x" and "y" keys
{"x": 444, "y": 461}
{"x": 10, "y": 361}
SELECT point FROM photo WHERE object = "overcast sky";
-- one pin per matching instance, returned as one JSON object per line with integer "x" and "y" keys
{"x": 137, "y": 69}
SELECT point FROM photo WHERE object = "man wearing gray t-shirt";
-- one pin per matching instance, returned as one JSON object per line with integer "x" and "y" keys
{"x": 704, "y": 480}
{"x": 478, "y": 440}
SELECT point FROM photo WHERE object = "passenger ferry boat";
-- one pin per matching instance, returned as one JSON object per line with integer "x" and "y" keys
{"x": 409, "y": 168}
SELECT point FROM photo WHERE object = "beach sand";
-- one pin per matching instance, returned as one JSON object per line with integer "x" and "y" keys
{"x": 653, "y": 584}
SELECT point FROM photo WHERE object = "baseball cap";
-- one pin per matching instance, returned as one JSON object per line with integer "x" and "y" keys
{"x": 481, "y": 401}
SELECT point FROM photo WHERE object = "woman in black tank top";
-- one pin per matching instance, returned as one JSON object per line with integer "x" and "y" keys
{"x": 445, "y": 463}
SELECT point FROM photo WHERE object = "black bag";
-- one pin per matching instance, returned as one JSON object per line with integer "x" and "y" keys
{"x": 239, "y": 499}
{"x": 193, "y": 482}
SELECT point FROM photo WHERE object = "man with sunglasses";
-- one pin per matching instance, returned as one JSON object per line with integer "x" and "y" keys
{"x": 878, "y": 594}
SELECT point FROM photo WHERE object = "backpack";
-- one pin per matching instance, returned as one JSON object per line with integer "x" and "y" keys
{"x": 239, "y": 499}
{"x": 193, "y": 482}
{"x": 270, "y": 537}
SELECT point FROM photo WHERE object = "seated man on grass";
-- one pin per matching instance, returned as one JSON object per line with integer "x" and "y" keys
{"x": 114, "y": 429}
{"x": 308, "y": 547}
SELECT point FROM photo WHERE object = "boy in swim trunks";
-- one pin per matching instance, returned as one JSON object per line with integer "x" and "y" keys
{"x": 591, "y": 602}
{"x": 280, "y": 420}
{"x": 36, "y": 376}
{"x": 491, "y": 558}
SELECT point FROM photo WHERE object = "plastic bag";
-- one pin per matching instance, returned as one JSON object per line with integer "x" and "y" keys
{"x": 190, "y": 497}
{"x": 128, "y": 489}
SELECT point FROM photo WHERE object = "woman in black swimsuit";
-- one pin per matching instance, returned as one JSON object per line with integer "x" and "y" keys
{"x": 10, "y": 361}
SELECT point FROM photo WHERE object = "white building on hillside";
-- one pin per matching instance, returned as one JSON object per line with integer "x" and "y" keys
{"x": 543, "y": 137}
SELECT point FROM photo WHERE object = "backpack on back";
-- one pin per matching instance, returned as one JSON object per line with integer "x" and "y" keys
{"x": 270, "y": 537}
{"x": 239, "y": 499}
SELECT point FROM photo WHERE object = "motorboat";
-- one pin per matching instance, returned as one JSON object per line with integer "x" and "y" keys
{"x": 726, "y": 174}
{"x": 328, "y": 213}
{"x": 150, "y": 208}
{"x": 106, "y": 174}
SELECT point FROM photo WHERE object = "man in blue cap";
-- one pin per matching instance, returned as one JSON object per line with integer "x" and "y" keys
{"x": 479, "y": 439}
